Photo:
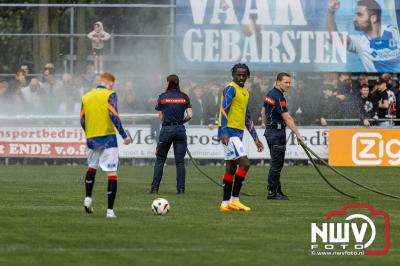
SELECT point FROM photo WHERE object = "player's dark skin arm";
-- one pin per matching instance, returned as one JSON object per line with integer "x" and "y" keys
{"x": 225, "y": 139}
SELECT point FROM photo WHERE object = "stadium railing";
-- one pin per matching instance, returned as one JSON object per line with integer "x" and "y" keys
{"x": 345, "y": 121}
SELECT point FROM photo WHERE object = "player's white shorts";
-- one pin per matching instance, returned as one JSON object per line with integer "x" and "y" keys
{"x": 107, "y": 159}
{"x": 234, "y": 149}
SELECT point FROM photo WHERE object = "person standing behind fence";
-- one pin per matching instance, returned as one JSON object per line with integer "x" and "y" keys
{"x": 397, "y": 123}
{"x": 276, "y": 117}
{"x": 384, "y": 103}
{"x": 198, "y": 106}
{"x": 99, "y": 115}
{"x": 25, "y": 68}
{"x": 172, "y": 105}
{"x": 366, "y": 106}
{"x": 98, "y": 37}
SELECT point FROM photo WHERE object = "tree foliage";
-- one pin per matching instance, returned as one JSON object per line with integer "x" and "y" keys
{"x": 37, "y": 51}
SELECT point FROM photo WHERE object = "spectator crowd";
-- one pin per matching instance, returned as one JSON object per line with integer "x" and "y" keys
{"x": 324, "y": 99}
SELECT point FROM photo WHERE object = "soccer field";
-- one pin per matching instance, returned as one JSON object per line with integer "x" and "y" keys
{"x": 43, "y": 222}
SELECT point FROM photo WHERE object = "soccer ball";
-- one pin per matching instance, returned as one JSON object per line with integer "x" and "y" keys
{"x": 160, "y": 206}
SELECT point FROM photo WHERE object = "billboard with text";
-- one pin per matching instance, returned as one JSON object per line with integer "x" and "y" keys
{"x": 69, "y": 142}
{"x": 288, "y": 35}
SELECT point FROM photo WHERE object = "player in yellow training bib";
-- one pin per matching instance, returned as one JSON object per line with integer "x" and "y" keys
{"x": 99, "y": 116}
{"x": 234, "y": 117}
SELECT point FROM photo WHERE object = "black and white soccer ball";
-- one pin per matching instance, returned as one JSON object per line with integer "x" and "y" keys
{"x": 160, "y": 206}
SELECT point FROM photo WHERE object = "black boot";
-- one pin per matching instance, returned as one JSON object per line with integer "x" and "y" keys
{"x": 153, "y": 190}
{"x": 276, "y": 194}
{"x": 279, "y": 192}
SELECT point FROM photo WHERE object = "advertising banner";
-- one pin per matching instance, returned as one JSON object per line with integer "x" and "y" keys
{"x": 48, "y": 142}
{"x": 69, "y": 142}
{"x": 364, "y": 147}
{"x": 203, "y": 144}
{"x": 288, "y": 35}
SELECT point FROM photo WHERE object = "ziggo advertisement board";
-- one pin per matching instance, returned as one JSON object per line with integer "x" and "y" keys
{"x": 364, "y": 147}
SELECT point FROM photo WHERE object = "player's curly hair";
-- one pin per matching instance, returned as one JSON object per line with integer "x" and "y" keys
{"x": 240, "y": 65}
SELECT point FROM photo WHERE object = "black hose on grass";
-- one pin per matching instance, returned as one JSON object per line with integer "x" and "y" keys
{"x": 305, "y": 147}
{"x": 207, "y": 176}
{"x": 323, "y": 177}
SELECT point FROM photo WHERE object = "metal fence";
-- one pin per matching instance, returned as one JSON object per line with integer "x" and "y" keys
{"x": 70, "y": 58}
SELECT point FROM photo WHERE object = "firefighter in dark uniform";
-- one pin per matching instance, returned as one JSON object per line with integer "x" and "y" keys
{"x": 275, "y": 118}
{"x": 174, "y": 110}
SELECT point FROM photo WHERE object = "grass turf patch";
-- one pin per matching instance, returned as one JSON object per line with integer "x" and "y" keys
{"x": 43, "y": 223}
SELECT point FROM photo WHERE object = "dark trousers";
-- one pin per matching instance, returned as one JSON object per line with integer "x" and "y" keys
{"x": 276, "y": 140}
{"x": 175, "y": 135}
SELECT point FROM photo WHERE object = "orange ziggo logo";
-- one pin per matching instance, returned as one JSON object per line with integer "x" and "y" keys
{"x": 352, "y": 147}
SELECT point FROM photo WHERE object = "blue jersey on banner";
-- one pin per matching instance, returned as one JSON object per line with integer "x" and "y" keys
{"x": 381, "y": 54}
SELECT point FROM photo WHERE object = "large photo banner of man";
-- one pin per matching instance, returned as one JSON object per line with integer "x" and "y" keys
{"x": 294, "y": 35}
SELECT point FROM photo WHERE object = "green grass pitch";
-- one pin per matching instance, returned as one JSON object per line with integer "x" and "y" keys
{"x": 42, "y": 221}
